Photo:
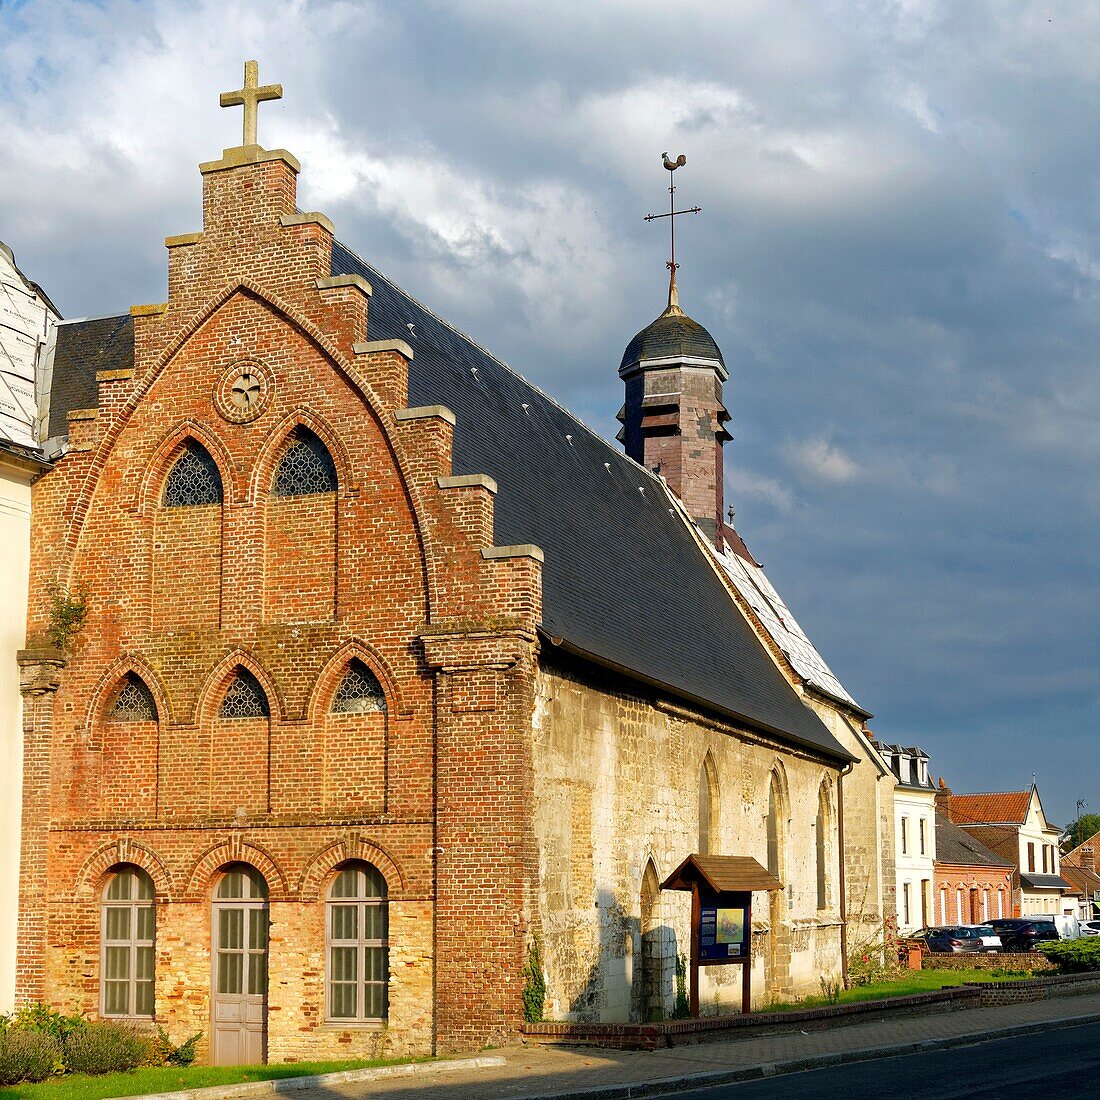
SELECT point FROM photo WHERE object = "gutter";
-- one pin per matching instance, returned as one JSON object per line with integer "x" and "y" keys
{"x": 843, "y": 877}
{"x": 844, "y": 757}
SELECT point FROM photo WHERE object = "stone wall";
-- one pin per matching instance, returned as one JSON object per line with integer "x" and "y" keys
{"x": 617, "y": 807}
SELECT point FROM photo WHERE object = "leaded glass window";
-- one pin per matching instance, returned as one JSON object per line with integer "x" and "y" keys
{"x": 358, "y": 944}
{"x": 127, "y": 957}
{"x": 194, "y": 479}
{"x": 359, "y": 691}
{"x": 244, "y": 698}
{"x": 134, "y": 703}
{"x": 306, "y": 467}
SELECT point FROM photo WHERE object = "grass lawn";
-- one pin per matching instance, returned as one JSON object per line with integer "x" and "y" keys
{"x": 909, "y": 982}
{"x": 170, "y": 1078}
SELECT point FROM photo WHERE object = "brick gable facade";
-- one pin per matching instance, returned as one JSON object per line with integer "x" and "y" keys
{"x": 395, "y": 569}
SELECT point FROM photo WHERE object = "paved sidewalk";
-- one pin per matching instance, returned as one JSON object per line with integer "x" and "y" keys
{"x": 530, "y": 1071}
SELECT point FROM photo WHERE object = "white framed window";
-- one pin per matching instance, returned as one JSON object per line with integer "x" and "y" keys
{"x": 357, "y": 924}
{"x": 985, "y": 903}
{"x": 943, "y": 905}
{"x": 959, "y": 904}
{"x": 907, "y": 903}
{"x": 127, "y": 961}
{"x": 1000, "y": 902}
{"x": 923, "y": 841}
{"x": 905, "y": 836}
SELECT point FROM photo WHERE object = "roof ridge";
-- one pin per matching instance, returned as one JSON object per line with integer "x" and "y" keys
{"x": 502, "y": 364}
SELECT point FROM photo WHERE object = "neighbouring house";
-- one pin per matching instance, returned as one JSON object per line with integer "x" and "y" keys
{"x": 392, "y": 665}
{"x": 1013, "y": 825}
{"x": 973, "y": 884}
{"x": 914, "y": 834}
{"x": 1081, "y": 869}
{"x": 26, "y": 314}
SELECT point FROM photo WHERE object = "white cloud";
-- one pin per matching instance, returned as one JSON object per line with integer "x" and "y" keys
{"x": 822, "y": 461}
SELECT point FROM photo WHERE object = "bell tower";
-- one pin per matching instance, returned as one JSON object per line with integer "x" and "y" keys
{"x": 673, "y": 417}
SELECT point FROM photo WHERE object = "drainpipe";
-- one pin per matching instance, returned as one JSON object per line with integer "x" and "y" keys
{"x": 843, "y": 877}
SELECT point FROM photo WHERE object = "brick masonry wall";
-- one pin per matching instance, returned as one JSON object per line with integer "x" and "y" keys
{"x": 436, "y": 792}
{"x": 1004, "y": 960}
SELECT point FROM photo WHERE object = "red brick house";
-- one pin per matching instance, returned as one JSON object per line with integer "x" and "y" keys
{"x": 972, "y": 884}
{"x": 388, "y": 662}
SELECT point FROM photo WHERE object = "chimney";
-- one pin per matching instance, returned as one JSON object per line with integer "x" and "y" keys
{"x": 673, "y": 418}
{"x": 943, "y": 800}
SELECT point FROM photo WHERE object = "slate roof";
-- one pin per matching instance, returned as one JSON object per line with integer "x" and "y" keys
{"x": 624, "y": 582}
{"x": 902, "y": 761}
{"x": 1082, "y": 880}
{"x": 672, "y": 335}
{"x": 82, "y": 348}
{"x": 1006, "y": 807}
{"x": 957, "y": 847}
{"x": 1044, "y": 882}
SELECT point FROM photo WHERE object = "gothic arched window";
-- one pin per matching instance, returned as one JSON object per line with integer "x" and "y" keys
{"x": 358, "y": 944}
{"x": 194, "y": 479}
{"x": 134, "y": 702}
{"x": 306, "y": 467}
{"x": 359, "y": 691}
{"x": 126, "y": 976}
{"x": 244, "y": 698}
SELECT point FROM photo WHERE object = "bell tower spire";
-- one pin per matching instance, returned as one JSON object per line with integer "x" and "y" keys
{"x": 673, "y": 418}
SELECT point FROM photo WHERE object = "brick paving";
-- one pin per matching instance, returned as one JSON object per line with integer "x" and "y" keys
{"x": 531, "y": 1071}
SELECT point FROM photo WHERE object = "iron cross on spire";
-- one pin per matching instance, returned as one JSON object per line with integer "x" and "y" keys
{"x": 250, "y": 97}
{"x": 672, "y": 215}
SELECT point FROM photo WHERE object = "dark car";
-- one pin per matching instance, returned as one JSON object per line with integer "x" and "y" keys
{"x": 950, "y": 939}
{"x": 1021, "y": 934}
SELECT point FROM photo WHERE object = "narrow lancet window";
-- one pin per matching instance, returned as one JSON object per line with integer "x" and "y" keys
{"x": 134, "y": 702}
{"x": 306, "y": 467}
{"x": 194, "y": 479}
{"x": 359, "y": 691}
{"x": 244, "y": 698}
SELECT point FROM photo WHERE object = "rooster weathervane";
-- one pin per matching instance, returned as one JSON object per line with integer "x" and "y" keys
{"x": 673, "y": 213}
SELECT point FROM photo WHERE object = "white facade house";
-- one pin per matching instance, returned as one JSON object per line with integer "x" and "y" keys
{"x": 914, "y": 835}
{"x": 1013, "y": 824}
{"x": 26, "y": 317}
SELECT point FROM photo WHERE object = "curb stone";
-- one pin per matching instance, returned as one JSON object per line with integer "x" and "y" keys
{"x": 321, "y": 1080}
{"x": 758, "y": 1072}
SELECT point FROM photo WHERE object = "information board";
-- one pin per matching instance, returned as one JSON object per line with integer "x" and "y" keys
{"x": 724, "y": 931}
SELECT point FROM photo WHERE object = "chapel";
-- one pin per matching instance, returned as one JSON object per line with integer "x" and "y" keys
{"x": 394, "y": 672}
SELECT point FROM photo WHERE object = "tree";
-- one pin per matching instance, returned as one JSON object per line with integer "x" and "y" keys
{"x": 1080, "y": 830}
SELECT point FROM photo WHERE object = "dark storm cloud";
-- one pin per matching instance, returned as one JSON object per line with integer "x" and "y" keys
{"x": 896, "y": 256}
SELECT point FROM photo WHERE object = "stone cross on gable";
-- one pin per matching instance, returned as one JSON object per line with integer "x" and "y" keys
{"x": 250, "y": 97}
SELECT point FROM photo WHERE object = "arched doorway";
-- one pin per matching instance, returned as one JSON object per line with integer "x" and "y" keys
{"x": 239, "y": 921}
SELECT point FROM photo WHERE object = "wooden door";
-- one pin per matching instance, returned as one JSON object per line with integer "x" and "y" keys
{"x": 239, "y": 1001}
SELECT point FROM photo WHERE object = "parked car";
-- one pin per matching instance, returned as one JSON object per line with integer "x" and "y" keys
{"x": 950, "y": 939}
{"x": 990, "y": 940}
{"x": 1023, "y": 934}
{"x": 1090, "y": 928}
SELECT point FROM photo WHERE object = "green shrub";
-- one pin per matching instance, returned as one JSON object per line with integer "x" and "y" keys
{"x": 106, "y": 1047}
{"x": 28, "y": 1055}
{"x": 47, "y": 1020}
{"x": 1083, "y": 954}
{"x": 534, "y": 984}
{"x": 163, "y": 1052}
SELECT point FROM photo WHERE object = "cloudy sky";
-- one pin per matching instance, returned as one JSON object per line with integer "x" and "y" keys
{"x": 900, "y": 214}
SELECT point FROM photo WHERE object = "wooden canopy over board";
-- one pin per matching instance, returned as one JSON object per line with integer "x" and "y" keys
{"x": 722, "y": 875}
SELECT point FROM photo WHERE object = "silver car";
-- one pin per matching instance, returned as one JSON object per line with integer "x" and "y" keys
{"x": 990, "y": 940}
{"x": 1090, "y": 928}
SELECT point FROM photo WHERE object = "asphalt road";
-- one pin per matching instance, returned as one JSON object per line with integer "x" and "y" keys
{"x": 1052, "y": 1063}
